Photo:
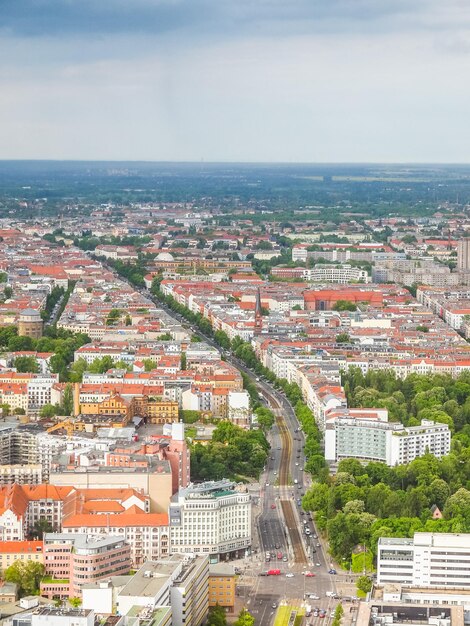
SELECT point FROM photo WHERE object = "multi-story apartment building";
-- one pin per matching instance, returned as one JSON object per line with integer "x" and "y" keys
{"x": 212, "y": 518}
{"x": 367, "y": 435}
{"x": 463, "y": 255}
{"x": 26, "y": 551}
{"x": 426, "y": 560}
{"x": 177, "y": 586}
{"x": 189, "y": 593}
{"x": 21, "y": 474}
{"x": 335, "y": 274}
{"x": 72, "y": 561}
{"x": 222, "y": 585}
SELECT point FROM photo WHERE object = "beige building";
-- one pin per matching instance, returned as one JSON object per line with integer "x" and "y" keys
{"x": 463, "y": 255}
{"x": 26, "y": 551}
{"x": 222, "y": 586}
{"x": 30, "y": 324}
{"x": 157, "y": 484}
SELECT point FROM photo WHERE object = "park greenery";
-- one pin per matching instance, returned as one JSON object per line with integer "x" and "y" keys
{"x": 242, "y": 453}
{"x": 361, "y": 503}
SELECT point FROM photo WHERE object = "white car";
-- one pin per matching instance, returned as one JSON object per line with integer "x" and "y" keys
{"x": 290, "y": 575}
{"x": 318, "y": 564}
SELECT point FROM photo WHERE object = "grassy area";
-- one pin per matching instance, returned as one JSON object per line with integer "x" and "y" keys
{"x": 283, "y": 615}
{"x": 59, "y": 581}
{"x": 362, "y": 561}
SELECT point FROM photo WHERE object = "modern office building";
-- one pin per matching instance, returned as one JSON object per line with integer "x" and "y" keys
{"x": 72, "y": 561}
{"x": 426, "y": 560}
{"x": 211, "y": 518}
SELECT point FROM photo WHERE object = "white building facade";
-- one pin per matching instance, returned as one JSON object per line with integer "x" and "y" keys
{"x": 427, "y": 560}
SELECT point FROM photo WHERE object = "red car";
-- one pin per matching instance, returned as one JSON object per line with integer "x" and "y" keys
{"x": 309, "y": 574}
{"x": 274, "y": 572}
{"x": 279, "y": 555}
{"x": 273, "y": 506}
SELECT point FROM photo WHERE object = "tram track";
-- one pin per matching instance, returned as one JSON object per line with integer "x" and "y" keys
{"x": 287, "y": 505}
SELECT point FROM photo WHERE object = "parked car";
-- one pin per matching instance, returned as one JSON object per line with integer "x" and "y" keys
{"x": 331, "y": 571}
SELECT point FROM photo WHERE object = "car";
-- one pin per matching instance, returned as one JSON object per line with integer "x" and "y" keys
{"x": 297, "y": 465}
{"x": 302, "y": 513}
{"x": 279, "y": 447}
{"x": 332, "y": 571}
{"x": 290, "y": 575}
{"x": 274, "y": 605}
{"x": 273, "y": 506}
{"x": 318, "y": 564}
{"x": 284, "y": 558}
{"x": 267, "y": 484}
{"x": 299, "y": 486}
{"x": 315, "y": 614}
{"x": 275, "y": 473}
{"x": 272, "y": 458}
{"x": 313, "y": 597}
{"x": 263, "y": 574}
{"x": 279, "y": 555}
{"x": 317, "y": 544}
{"x": 277, "y": 546}
{"x": 310, "y": 575}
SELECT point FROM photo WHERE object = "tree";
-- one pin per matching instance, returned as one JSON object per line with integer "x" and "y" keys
{"x": 6, "y": 408}
{"x": 77, "y": 370}
{"x": 75, "y": 602}
{"x": 20, "y": 344}
{"x": 100, "y": 366}
{"x": 244, "y": 619}
{"x": 265, "y": 418}
{"x": 222, "y": 339}
{"x": 113, "y": 317}
{"x": 183, "y": 362}
{"x": 40, "y": 526}
{"x": 344, "y": 305}
{"x": 26, "y": 364}
{"x": 27, "y": 575}
{"x": 364, "y": 584}
{"x": 343, "y": 338}
{"x": 216, "y": 616}
{"x": 48, "y": 410}
{"x": 19, "y": 411}
{"x": 67, "y": 400}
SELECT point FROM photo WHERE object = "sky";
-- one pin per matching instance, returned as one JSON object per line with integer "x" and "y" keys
{"x": 235, "y": 80}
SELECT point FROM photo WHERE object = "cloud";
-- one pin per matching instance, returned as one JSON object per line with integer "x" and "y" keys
{"x": 61, "y": 18}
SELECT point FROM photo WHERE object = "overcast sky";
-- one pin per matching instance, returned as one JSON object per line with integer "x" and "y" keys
{"x": 236, "y": 80}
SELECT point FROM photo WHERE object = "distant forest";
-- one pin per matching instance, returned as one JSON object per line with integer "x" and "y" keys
{"x": 376, "y": 190}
